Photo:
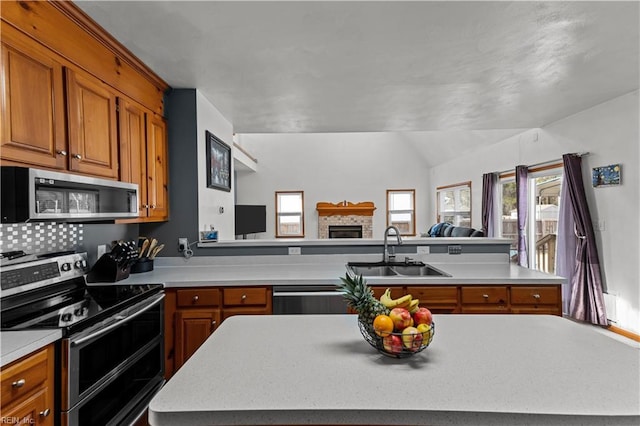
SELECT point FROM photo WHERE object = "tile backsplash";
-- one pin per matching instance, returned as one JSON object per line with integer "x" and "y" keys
{"x": 42, "y": 237}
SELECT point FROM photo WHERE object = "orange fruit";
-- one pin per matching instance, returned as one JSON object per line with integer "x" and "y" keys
{"x": 383, "y": 325}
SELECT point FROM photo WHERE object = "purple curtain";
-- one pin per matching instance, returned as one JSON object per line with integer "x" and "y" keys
{"x": 522, "y": 173}
{"x": 587, "y": 300}
{"x": 488, "y": 185}
{"x": 566, "y": 251}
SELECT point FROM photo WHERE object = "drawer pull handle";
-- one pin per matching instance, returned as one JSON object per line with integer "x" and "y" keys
{"x": 486, "y": 296}
{"x": 19, "y": 383}
{"x": 195, "y": 298}
{"x": 244, "y": 297}
{"x": 62, "y": 152}
{"x": 45, "y": 413}
{"x": 536, "y": 296}
{"x": 77, "y": 156}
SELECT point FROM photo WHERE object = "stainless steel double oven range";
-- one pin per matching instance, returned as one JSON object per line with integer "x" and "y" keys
{"x": 110, "y": 360}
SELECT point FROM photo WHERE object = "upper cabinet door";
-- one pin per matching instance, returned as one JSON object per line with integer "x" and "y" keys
{"x": 93, "y": 141}
{"x": 157, "y": 166}
{"x": 133, "y": 148}
{"x": 31, "y": 103}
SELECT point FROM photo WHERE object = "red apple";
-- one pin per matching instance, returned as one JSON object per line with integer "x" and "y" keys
{"x": 392, "y": 344}
{"x": 401, "y": 318}
{"x": 422, "y": 316}
{"x": 411, "y": 338}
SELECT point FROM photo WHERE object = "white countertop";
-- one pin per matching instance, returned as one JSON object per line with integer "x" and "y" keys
{"x": 316, "y": 270}
{"x": 301, "y": 242}
{"x": 16, "y": 344}
{"x": 479, "y": 369}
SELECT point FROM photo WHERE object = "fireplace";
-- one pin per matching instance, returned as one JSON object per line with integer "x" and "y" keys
{"x": 345, "y": 231}
{"x": 348, "y": 220}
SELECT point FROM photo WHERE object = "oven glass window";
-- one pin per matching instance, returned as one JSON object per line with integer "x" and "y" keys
{"x": 107, "y": 403}
{"x": 116, "y": 347}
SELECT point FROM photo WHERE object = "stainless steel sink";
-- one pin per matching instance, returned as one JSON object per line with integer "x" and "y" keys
{"x": 373, "y": 271}
{"x": 387, "y": 269}
{"x": 419, "y": 271}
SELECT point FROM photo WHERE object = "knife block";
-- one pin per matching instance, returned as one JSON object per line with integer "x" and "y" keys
{"x": 107, "y": 270}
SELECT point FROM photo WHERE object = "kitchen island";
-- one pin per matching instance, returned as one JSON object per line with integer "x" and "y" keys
{"x": 479, "y": 369}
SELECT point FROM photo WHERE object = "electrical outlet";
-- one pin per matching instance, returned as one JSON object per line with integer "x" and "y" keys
{"x": 423, "y": 250}
{"x": 454, "y": 249}
{"x": 183, "y": 244}
{"x": 294, "y": 250}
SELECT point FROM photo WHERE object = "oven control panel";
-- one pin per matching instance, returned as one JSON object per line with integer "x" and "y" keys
{"x": 42, "y": 272}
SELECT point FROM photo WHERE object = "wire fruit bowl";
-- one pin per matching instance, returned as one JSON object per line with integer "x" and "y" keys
{"x": 397, "y": 351}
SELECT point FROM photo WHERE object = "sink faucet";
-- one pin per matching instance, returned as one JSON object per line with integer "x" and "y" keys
{"x": 385, "y": 253}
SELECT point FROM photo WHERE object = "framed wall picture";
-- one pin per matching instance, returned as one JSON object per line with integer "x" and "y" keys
{"x": 218, "y": 163}
{"x": 606, "y": 175}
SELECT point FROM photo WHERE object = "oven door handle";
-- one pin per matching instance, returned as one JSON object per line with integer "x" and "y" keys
{"x": 118, "y": 323}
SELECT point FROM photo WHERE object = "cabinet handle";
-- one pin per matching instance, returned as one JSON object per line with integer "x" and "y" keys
{"x": 145, "y": 206}
{"x": 153, "y": 206}
{"x": 244, "y": 297}
{"x": 486, "y": 296}
{"x": 62, "y": 152}
{"x": 536, "y": 296}
{"x": 45, "y": 413}
{"x": 19, "y": 383}
{"x": 213, "y": 325}
{"x": 196, "y": 298}
{"x": 77, "y": 156}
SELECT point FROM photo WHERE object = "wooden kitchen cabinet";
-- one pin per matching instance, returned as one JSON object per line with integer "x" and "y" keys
{"x": 32, "y": 103}
{"x": 143, "y": 158}
{"x": 484, "y": 299}
{"x": 438, "y": 299}
{"x": 92, "y": 125}
{"x": 28, "y": 389}
{"x": 193, "y": 314}
{"x": 536, "y": 300}
{"x": 196, "y": 316}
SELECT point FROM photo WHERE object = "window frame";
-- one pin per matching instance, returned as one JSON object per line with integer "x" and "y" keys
{"x": 456, "y": 187}
{"x": 278, "y": 215}
{"x": 412, "y": 212}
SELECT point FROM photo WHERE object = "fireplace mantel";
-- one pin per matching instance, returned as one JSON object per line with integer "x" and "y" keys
{"x": 345, "y": 208}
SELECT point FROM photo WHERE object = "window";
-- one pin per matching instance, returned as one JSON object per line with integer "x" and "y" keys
{"x": 289, "y": 214}
{"x": 454, "y": 204}
{"x": 401, "y": 210}
{"x": 542, "y": 216}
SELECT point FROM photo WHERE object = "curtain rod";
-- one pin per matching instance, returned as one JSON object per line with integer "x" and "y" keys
{"x": 544, "y": 163}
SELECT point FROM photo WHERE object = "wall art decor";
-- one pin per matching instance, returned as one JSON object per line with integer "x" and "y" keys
{"x": 218, "y": 163}
{"x": 606, "y": 175}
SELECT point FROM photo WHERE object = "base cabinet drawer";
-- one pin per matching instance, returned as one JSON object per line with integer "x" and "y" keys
{"x": 193, "y": 298}
{"x": 484, "y": 295}
{"x": 534, "y": 296}
{"x": 250, "y": 296}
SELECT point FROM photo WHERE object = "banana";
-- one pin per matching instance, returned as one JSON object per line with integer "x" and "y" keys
{"x": 403, "y": 302}
{"x": 385, "y": 299}
{"x": 413, "y": 307}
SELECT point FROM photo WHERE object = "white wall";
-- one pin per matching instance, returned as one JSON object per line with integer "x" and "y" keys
{"x": 333, "y": 167}
{"x": 610, "y": 133}
{"x": 210, "y": 200}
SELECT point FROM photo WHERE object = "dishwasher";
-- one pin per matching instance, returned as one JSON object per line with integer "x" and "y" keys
{"x": 319, "y": 299}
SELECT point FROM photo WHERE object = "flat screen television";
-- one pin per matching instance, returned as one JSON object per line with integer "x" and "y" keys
{"x": 250, "y": 219}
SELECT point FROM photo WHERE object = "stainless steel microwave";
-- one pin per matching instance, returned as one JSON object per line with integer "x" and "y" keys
{"x": 32, "y": 195}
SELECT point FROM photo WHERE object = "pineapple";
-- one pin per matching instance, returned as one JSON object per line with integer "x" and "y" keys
{"x": 360, "y": 298}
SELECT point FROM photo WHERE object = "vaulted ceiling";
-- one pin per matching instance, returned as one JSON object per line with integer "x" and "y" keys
{"x": 330, "y": 66}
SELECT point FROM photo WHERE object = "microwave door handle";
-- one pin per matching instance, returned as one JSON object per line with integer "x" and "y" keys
{"x": 115, "y": 324}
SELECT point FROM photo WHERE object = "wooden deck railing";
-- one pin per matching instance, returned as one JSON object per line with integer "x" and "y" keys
{"x": 546, "y": 253}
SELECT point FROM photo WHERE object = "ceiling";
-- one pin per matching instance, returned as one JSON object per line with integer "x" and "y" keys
{"x": 326, "y": 66}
